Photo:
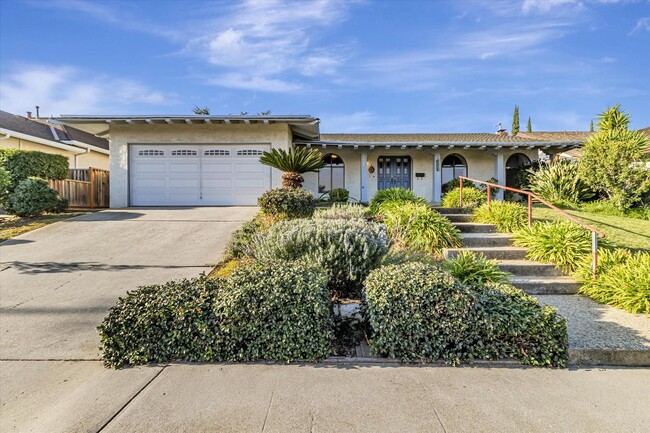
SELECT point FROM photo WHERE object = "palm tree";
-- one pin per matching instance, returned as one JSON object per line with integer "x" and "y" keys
{"x": 293, "y": 163}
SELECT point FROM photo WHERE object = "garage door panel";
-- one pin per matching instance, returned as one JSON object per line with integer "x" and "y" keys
{"x": 150, "y": 183}
{"x": 217, "y": 183}
{"x": 150, "y": 167}
{"x": 179, "y": 167}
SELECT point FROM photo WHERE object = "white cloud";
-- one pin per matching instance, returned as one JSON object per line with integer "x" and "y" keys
{"x": 544, "y": 6}
{"x": 68, "y": 90}
{"x": 643, "y": 24}
{"x": 254, "y": 82}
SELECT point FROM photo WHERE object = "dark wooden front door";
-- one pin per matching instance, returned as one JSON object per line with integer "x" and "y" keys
{"x": 393, "y": 172}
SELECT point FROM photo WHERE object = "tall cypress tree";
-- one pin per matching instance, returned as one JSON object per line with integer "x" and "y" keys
{"x": 515, "y": 121}
{"x": 591, "y": 126}
{"x": 529, "y": 128}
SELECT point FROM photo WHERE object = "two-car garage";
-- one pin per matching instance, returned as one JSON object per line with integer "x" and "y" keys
{"x": 197, "y": 175}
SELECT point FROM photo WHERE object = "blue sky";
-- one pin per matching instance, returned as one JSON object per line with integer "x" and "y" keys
{"x": 361, "y": 66}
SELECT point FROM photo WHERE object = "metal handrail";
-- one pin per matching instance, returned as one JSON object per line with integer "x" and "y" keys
{"x": 595, "y": 233}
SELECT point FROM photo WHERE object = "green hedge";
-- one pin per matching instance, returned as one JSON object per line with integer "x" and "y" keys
{"x": 418, "y": 312}
{"x": 275, "y": 311}
{"x": 287, "y": 203}
{"x": 23, "y": 164}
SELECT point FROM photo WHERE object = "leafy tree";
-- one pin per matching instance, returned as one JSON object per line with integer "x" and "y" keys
{"x": 529, "y": 127}
{"x": 515, "y": 121}
{"x": 612, "y": 160}
{"x": 205, "y": 111}
{"x": 293, "y": 163}
{"x": 591, "y": 126}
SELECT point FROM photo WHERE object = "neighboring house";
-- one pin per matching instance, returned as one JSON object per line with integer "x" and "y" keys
{"x": 571, "y": 154}
{"x": 214, "y": 160}
{"x": 82, "y": 149}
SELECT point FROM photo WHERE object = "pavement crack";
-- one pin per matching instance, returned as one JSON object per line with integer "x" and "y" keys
{"x": 130, "y": 400}
{"x": 268, "y": 410}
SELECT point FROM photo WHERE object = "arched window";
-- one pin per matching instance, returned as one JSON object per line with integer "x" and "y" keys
{"x": 515, "y": 162}
{"x": 333, "y": 174}
{"x": 453, "y": 166}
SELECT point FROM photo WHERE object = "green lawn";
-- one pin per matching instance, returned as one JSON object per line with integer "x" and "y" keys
{"x": 13, "y": 226}
{"x": 624, "y": 232}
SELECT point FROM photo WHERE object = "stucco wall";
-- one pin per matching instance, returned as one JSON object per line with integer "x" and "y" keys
{"x": 278, "y": 136}
{"x": 481, "y": 166}
{"x": 92, "y": 159}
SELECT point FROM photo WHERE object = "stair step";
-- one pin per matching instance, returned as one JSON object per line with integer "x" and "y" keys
{"x": 498, "y": 253}
{"x": 449, "y": 210}
{"x": 475, "y": 228}
{"x": 459, "y": 217}
{"x": 600, "y": 334}
{"x": 526, "y": 267}
{"x": 552, "y": 285}
{"x": 486, "y": 239}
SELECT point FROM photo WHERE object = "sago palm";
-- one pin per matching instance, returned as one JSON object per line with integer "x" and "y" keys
{"x": 293, "y": 163}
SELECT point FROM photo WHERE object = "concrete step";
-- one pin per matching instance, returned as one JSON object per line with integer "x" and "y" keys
{"x": 475, "y": 228}
{"x": 486, "y": 239}
{"x": 550, "y": 285}
{"x": 602, "y": 335}
{"x": 459, "y": 217}
{"x": 450, "y": 210}
{"x": 498, "y": 253}
{"x": 526, "y": 267}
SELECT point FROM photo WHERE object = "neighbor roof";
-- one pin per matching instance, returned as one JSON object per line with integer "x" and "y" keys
{"x": 556, "y": 135}
{"x": 41, "y": 128}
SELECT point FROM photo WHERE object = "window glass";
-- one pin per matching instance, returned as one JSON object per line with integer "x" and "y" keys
{"x": 333, "y": 174}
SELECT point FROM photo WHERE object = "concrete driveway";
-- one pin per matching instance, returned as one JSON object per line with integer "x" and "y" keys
{"x": 57, "y": 284}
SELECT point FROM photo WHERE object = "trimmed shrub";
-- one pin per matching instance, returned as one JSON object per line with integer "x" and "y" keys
{"x": 418, "y": 312}
{"x": 339, "y": 195}
{"x": 418, "y": 228}
{"x": 287, "y": 203}
{"x": 161, "y": 323}
{"x": 23, "y": 164}
{"x": 623, "y": 279}
{"x": 560, "y": 183}
{"x": 472, "y": 197}
{"x": 347, "y": 249}
{"x": 395, "y": 195}
{"x": 507, "y": 216}
{"x": 559, "y": 242}
{"x": 277, "y": 311}
{"x": 239, "y": 244}
{"x": 33, "y": 196}
{"x": 342, "y": 211}
{"x": 5, "y": 183}
{"x": 470, "y": 268}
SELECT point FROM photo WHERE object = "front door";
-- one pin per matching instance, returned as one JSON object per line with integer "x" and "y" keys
{"x": 393, "y": 172}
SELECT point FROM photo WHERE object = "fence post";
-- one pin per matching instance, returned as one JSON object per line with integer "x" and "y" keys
{"x": 91, "y": 178}
{"x": 460, "y": 201}
{"x": 530, "y": 211}
{"x": 594, "y": 252}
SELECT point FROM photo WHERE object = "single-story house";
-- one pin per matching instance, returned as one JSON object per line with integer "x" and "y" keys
{"x": 83, "y": 149}
{"x": 214, "y": 160}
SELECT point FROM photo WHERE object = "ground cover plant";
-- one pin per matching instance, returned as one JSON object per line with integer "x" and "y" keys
{"x": 623, "y": 279}
{"x": 507, "y": 216}
{"x": 418, "y": 228}
{"x": 472, "y": 197}
{"x": 428, "y": 316}
{"x": 345, "y": 211}
{"x": 470, "y": 268}
{"x": 394, "y": 195}
{"x": 275, "y": 311}
{"x": 347, "y": 249}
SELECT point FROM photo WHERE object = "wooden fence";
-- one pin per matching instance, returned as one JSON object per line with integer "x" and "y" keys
{"x": 86, "y": 188}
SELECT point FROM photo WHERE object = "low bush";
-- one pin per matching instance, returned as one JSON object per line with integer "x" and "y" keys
{"x": 339, "y": 195}
{"x": 239, "y": 244}
{"x": 164, "y": 322}
{"x": 347, "y": 249}
{"x": 23, "y": 164}
{"x": 264, "y": 311}
{"x": 287, "y": 203}
{"x": 32, "y": 197}
{"x": 395, "y": 195}
{"x": 418, "y": 228}
{"x": 418, "y": 312}
{"x": 5, "y": 183}
{"x": 276, "y": 312}
{"x": 472, "y": 197}
{"x": 343, "y": 211}
{"x": 507, "y": 216}
{"x": 559, "y": 242}
{"x": 560, "y": 183}
{"x": 623, "y": 279}
{"x": 470, "y": 268}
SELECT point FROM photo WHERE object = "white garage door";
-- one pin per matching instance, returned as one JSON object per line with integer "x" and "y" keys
{"x": 197, "y": 175}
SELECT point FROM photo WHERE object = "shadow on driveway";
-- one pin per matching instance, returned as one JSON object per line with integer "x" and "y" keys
{"x": 56, "y": 267}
